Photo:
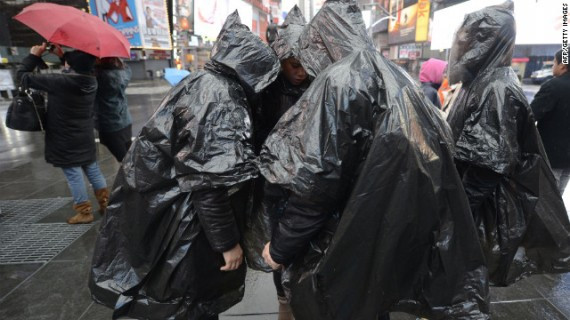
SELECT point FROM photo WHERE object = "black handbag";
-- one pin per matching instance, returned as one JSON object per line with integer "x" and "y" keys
{"x": 27, "y": 112}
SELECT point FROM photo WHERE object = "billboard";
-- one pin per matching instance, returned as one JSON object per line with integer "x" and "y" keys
{"x": 184, "y": 12}
{"x": 154, "y": 21}
{"x": 122, "y": 15}
{"x": 209, "y": 16}
{"x": 538, "y": 21}
{"x": 403, "y": 28}
{"x": 143, "y": 22}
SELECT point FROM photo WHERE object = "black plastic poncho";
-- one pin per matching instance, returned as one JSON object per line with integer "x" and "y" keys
{"x": 363, "y": 145}
{"x": 285, "y": 45}
{"x": 520, "y": 216}
{"x": 152, "y": 259}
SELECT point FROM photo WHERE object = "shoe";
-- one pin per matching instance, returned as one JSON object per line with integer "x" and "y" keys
{"x": 285, "y": 312}
{"x": 83, "y": 213}
{"x": 102, "y": 196}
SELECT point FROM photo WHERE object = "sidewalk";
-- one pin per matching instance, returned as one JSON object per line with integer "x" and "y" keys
{"x": 44, "y": 263}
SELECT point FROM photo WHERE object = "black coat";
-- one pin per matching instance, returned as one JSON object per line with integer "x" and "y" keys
{"x": 430, "y": 91}
{"x": 273, "y": 102}
{"x": 551, "y": 108}
{"x": 69, "y": 139}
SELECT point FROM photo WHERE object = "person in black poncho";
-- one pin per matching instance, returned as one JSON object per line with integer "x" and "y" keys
{"x": 375, "y": 220}
{"x": 522, "y": 223}
{"x": 169, "y": 245}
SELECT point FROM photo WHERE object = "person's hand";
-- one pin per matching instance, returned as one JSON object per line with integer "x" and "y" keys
{"x": 38, "y": 50}
{"x": 267, "y": 257}
{"x": 57, "y": 50}
{"x": 233, "y": 258}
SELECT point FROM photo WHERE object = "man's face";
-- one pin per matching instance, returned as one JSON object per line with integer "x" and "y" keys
{"x": 559, "y": 69}
{"x": 293, "y": 71}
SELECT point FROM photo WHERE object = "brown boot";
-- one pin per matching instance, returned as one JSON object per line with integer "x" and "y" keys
{"x": 284, "y": 309}
{"x": 83, "y": 215}
{"x": 102, "y": 196}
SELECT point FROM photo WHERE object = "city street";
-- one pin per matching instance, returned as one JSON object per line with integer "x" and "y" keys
{"x": 44, "y": 263}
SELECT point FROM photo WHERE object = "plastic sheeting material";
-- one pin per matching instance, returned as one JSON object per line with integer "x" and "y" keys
{"x": 364, "y": 139}
{"x": 285, "y": 45}
{"x": 152, "y": 259}
{"x": 522, "y": 222}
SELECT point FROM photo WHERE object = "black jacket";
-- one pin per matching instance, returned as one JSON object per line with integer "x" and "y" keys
{"x": 69, "y": 140}
{"x": 272, "y": 103}
{"x": 111, "y": 104}
{"x": 430, "y": 91}
{"x": 551, "y": 108}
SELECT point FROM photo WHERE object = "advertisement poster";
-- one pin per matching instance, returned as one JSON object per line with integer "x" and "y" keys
{"x": 538, "y": 21}
{"x": 422, "y": 24}
{"x": 122, "y": 15}
{"x": 210, "y": 16}
{"x": 143, "y": 22}
{"x": 184, "y": 12}
{"x": 403, "y": 28}
{"x": 154, "y": 24}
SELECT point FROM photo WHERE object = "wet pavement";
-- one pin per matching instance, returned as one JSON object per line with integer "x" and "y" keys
{"x": 44, "y": 263}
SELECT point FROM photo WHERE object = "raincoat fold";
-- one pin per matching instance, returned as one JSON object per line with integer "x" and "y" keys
{"x": 153, "y": 258}
{"x": 521, "y": 220}
{"x": 286, "y": 43}
{"x": 389, "y": 226}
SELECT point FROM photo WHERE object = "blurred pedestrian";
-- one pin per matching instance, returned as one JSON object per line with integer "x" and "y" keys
{"x": 113, "y": 119}
{"x": 519, "y": 214}
{"x": 69, "y": 137}
{"x": 551, "y": 108}
{"x": 431, "y": 77}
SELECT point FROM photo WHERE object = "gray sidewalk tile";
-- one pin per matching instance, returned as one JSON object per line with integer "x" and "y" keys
{"x": 526, "y": 310}
{"x": 552, "y": 285}
{"x": 517, "y": 291}
{"x": 562, "y": 304}
{"x": 58, "y": 291}
{"x": 12, "y": 275}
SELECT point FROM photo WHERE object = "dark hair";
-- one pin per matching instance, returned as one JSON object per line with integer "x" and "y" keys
{"x": 110, "y": 63}
{"x": 79, "y": 61}
{"x": 558, "y": 56}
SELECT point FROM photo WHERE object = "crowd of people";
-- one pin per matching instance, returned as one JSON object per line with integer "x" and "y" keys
{"x": 317, "y": 159}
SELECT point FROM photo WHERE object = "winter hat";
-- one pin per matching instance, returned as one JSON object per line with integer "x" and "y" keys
{"x": 80, "y": 61}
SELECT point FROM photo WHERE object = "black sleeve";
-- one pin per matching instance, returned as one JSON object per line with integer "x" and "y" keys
{"x": 479, "y": 184}
{"x": 217, "y": 218}
{"x": 300, "y": 223}
{"x": 544, "y": 101}
{"x": 27, "y": 79}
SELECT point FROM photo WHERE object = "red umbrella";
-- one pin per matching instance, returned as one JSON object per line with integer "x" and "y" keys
{"x": 74, "y": 28}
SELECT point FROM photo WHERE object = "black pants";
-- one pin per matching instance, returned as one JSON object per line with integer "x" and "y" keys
{"x": 278, "y": 285}
{"x": 117, "y": 142}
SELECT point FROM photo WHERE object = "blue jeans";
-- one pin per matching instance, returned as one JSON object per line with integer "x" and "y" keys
{"x": 74, "y": 176}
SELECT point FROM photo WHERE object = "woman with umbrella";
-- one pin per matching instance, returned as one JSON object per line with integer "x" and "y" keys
{"x": 69, "y": 139}
{"x": 70, "y": 142}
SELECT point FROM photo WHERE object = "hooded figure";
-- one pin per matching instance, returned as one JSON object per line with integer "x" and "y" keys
{"x": 181, "y": 192}
{"x": 431, "y": 77}
{"x": 292, "y": 81}
{"x": 376, "y": 219}
{"x": 519, "y": 213}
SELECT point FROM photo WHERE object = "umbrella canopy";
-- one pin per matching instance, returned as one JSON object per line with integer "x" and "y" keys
{"x": 74, "y": 28}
